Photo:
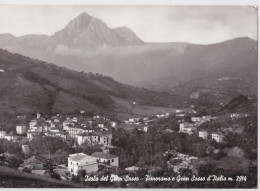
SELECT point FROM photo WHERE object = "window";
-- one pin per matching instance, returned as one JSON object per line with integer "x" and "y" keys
{"x": 112, "y": 160}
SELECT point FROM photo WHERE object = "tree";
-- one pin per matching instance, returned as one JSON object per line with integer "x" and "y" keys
{"x": 206, "y": 170}
{"x": 61, "y": 156}
{"x": 82, "y": 173}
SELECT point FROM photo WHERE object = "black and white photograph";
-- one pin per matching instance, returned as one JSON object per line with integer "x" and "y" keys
{"x": 128, "y": 96}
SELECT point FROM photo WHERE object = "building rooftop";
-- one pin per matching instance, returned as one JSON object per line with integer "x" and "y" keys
{"x": 203, "y": 131}
{"x": 85, "y": 134}
{"x": 77, "y": 156}
{"x": 103, "y": 155}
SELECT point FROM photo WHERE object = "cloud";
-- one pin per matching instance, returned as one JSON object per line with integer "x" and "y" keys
{"x": 66, "y": 51}
{"x": 136, "y": 50}
{"x": 123, "y": 51}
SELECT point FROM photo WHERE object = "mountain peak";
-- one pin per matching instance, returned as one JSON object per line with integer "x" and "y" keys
{"x": 81, "y": 21}
{"x": 83, "y": 15}
{"x": 88, "y": 32}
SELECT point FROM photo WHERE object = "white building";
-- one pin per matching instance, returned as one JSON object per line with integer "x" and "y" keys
{"x": 186, "y": 127}
{"x": 39, "y": 125}
{"x": 81, "y": 161}
{"x": 217, "y": 137}
{"x": 206, "y": 118}
{"x": 105, "y": 139}
{"x": 25, "y": 149}
{"x": 113, "y": 124}
{"x": 100, "y": 138}
{"x": 132, "y": 168}
{"x": 32, "y": 123}
{"x": 145, "y": 128}
{"x": 73, "y": 131}
{"x": 101, "y": 125}
{"x": 133, "y": 120}
{"x": 203, "y": 134}
{"x": 86, "y": 138}
{"x": 195, "y": 119}
{"x": 75, "y": 119}
{"x": 32, "y": 134}
{"x": 36, "y": 128}
{"x": 81, "y": 111}
{"x": 21, "y": 129}
{"x": 54, "y": 130}
{"x": 2, "y": 134}
{"x": 56, "y": 120}
{"x": 11, "y": 137}
{"x": 160, "y": 116}
{"x": 238, "y": 115}
{"x": 106, "y": 158}
{"x": 180, "y": 115}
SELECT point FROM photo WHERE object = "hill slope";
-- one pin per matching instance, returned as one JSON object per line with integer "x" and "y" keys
{"x": 30, "y": 85}
{"x": 12, "y": 178}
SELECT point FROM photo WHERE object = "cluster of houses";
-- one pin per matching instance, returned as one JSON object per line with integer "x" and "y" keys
{"x": 146, "y": 120}
{"x": 141, "y": 123}
{"x": 136, "y": 121}
{"x": 12, "y": 136}
{"x": 159, "y": 116}
{"x": 192, "y": 128}
{"x": 95, "y": 130}
{"x": 76, "y": 162}
{"x": 180, "y": 113}
{"x": 225, "y": 78}
{"x": 238, "y": 115}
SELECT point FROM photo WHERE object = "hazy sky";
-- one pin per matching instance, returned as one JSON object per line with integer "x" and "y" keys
{"x": 195, "y": 24}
